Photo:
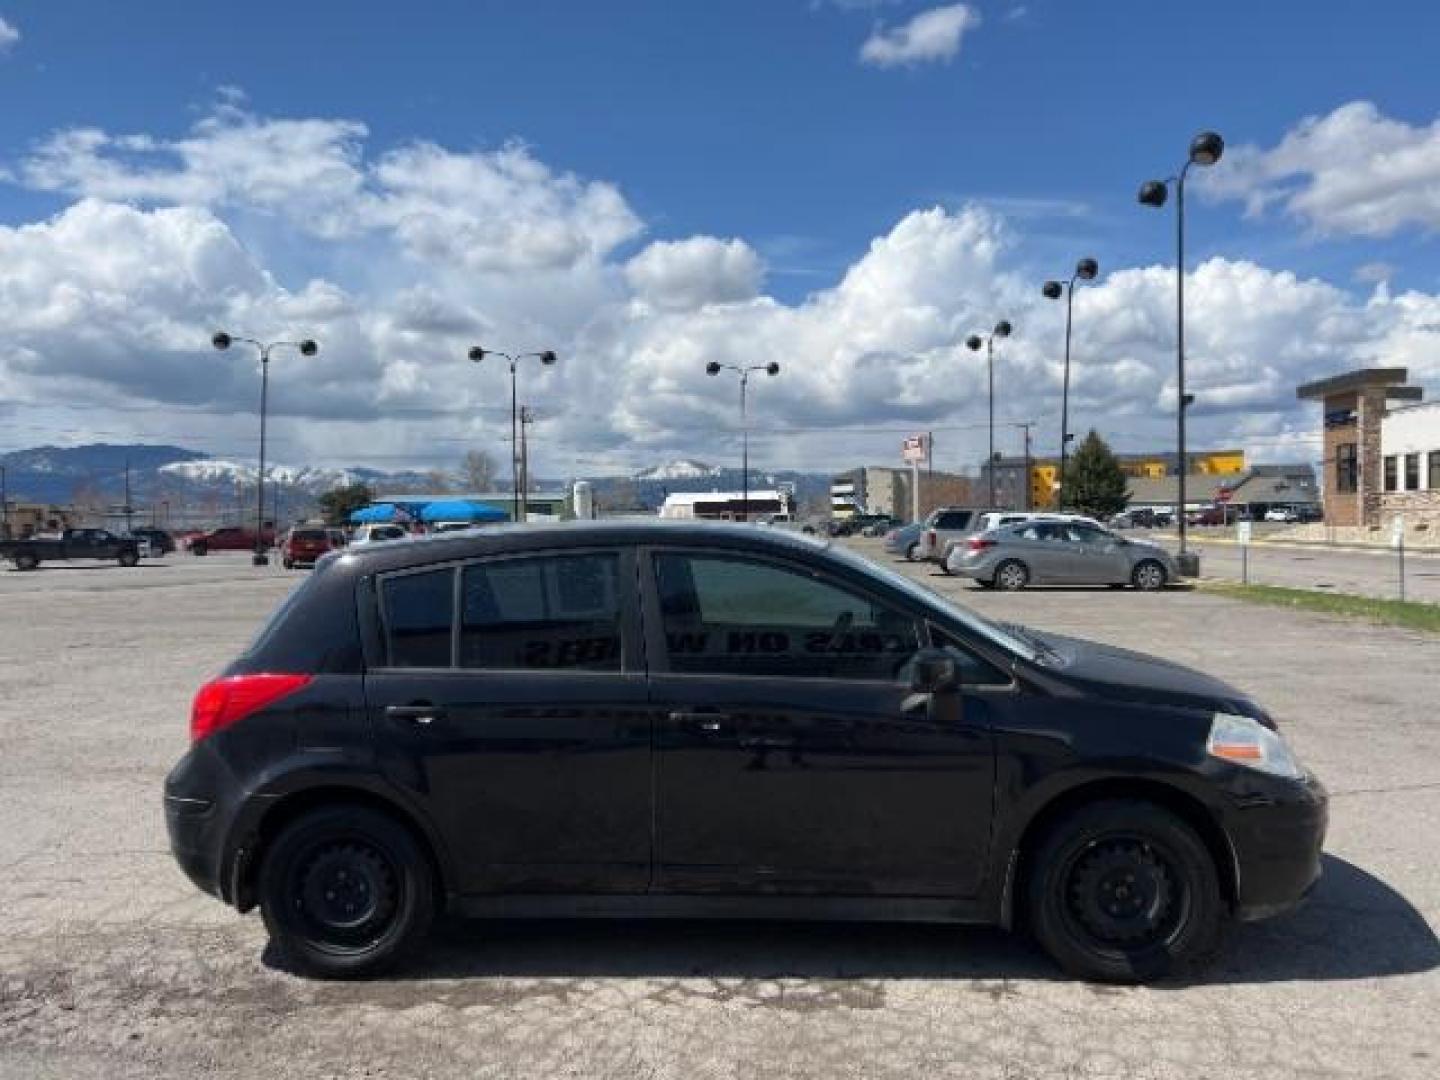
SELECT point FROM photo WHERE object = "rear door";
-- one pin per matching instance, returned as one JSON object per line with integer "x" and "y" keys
{"x": 786, "y": 761}
{"x": 511, "y": 701}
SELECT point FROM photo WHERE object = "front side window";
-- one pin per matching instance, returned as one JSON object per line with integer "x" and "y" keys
{"x": 542, "y": 613}
{"x": 419, "y": 612}
{"x": 735, "y": 616}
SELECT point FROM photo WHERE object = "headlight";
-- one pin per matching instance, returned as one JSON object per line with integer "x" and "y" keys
{"x": 1243, "y": 741}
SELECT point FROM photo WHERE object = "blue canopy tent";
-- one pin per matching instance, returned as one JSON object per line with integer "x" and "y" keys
{"x": 376, "y": 514}
{"x": 462, "y": 510}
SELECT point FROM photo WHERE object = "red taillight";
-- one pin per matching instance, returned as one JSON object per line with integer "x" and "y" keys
{"x": 977, "y": 544}
{"x": 931, "y": 538}
{"x": 222, "y": 702}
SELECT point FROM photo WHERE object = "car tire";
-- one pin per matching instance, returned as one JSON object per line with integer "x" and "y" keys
{"x": 199, "y": 549}
{"x": 346, "y": 892}
{"x": 128, "y": 559}
{"x": 1012, "y": 575}
{"x": 289, "y": 564}
{"x": 1123, "y": 891}
{"x": 912, "y": 553}
{"x": 26, "y": 561}
{"x": 1148, "y": 576}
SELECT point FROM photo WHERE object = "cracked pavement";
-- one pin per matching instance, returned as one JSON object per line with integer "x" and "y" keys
{"x": 112, "y": 965}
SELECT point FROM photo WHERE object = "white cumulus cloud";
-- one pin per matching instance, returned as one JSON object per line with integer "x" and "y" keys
{"x": 930, "y": 36}
{"x": 1353, "y": 171}
{"x": 681, "y": 275}
{"x": 8, "y": 35}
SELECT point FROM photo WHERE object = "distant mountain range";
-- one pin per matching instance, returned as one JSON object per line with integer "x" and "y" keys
{"x": 96, "y": 473}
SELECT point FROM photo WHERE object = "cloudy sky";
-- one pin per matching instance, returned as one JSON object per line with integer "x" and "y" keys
{"x": 847, "y": 187}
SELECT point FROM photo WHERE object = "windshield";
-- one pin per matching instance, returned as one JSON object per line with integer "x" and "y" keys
{"x": 1013, "y": 639}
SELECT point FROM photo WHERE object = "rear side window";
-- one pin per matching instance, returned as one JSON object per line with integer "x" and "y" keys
{"x": 954, "y": 519}
{"x": 545, "y": 612}
{"x": 419, "y": 614}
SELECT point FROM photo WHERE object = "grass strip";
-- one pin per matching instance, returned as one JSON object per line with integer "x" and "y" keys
{"x": 1407, "y": 613}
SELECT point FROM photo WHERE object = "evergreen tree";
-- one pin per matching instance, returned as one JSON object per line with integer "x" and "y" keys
{"x": 339, "y": 503}
{"x": 1094, "y": 482}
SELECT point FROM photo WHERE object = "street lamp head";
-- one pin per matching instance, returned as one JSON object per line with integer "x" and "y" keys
{"x": 712, "y": 368}
{"x": 1087, "y": 269}
{"x": 973, "y": 343}
{"x": 1206, "y": 148}
{"x": 1002, "y": 328}
{"x": 308, "y": 347}
{"x": 1052, "y": 290}
{"x": 220, "y": 340}
{"x": 1153, "y": 193}
{"x": 477, "y": 353}
{"x": 547, "y": 357}
{"x": 772, "y": 368}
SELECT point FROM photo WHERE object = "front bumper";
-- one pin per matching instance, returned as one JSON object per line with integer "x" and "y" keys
{"x": 1278, "y": 841}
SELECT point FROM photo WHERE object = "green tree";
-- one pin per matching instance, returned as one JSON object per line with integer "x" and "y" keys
{"x": 1094, "y": 482}
{"x": 339, "y": 503}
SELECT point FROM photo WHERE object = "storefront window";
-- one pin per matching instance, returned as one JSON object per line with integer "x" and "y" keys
{"x": 1412, "y": 472}
{"x": 1391, "y": 472}
{"x": 1346, "y": 471}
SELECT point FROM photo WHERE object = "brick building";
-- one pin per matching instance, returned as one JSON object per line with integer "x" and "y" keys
{"x": 1381, "y": 447}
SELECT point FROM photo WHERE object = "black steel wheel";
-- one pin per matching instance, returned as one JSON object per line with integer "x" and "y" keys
{"x": 346, "y": 892}
{"x": 129, "y": 558}
{"x": 1124, "y": 891}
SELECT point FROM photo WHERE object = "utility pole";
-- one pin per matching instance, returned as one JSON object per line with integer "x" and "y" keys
{"x": 129, "y": 512}
{"x": 1029, "y": 480}
{"x": 4, "y": 506}
{"x": 526, "y": 419}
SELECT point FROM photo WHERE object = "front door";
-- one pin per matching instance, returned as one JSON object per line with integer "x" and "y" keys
{"x": 786, "y": 763}
{"x": 511, "y": 704}
{"x": 1099, "y": 555}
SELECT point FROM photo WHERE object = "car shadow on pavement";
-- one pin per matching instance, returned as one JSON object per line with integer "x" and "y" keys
{"x": 1353, "y": 927}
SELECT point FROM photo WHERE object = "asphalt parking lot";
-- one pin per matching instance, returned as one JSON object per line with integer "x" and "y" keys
{"x": 112, "y": 965}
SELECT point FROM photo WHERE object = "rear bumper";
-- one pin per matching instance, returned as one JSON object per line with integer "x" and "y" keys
{"x": 1278, "y": 846}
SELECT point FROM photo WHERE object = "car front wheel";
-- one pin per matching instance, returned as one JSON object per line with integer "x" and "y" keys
{"x": 1148, "y": 576}
{"x": 346, "y": 892}
{"x": 912, "y": 552}
{"x": 1124, "y": 891}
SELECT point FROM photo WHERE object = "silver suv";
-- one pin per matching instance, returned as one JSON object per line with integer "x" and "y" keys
{"x": 945, "y": 523}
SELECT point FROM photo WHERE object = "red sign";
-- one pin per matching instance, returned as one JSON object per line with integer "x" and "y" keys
{"x": 1222, "y": 495}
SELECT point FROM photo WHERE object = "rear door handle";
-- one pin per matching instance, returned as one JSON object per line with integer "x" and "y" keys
{"x": 416, "y": 715}
{"x": 705, "y": 722}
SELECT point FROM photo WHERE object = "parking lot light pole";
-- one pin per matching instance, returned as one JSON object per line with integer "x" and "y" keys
{"x": 547, "y": 358}
{"x": 772, "y": 369}
{"x": 1085, "y": 270}
{"x": 1205, "y": 149}
{"x": 973, "y": 342}
{"x": 305, "y": 347}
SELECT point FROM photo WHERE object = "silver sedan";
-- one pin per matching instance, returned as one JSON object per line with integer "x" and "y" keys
{"x": 1061, "y": 553}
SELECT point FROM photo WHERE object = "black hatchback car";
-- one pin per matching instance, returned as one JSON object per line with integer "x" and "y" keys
{"x": 667, "y": 719}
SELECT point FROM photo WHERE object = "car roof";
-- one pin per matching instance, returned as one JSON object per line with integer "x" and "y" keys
{"x": 519, "y": 539}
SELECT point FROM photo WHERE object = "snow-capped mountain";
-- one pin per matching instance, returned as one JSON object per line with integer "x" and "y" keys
{"x": 218, "y": 471}
{"x": 683, "y": 469}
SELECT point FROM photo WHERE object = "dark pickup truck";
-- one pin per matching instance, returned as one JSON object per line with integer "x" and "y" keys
{"x": 71, "y": 544}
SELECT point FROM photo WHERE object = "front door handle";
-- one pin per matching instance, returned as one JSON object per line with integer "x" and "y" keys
{"x": 415, "y": 715}
{"x": 705, "y": 721}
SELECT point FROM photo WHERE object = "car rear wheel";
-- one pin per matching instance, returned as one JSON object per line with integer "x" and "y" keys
{"x": 346, "y": 892}
{"x": 1012, "y": 575}
{"x": 199, "y": 549}
{"x": 913, "y": 552}
{"x": 1148, "y": 575}
{"x": 1124, "y": 891}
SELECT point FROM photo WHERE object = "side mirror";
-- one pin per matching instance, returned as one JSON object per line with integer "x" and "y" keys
{"x": 933, "y": 671}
